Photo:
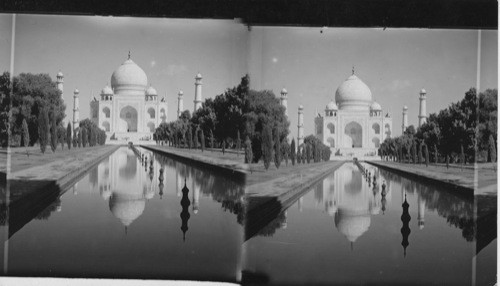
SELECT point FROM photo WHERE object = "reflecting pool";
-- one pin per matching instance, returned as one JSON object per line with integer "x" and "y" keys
{"x": 128, "y": 218}
{"x": 348, "y": 230}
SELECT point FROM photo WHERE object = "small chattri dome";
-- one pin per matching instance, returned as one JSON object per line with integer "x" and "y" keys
{"x": 301, "y": 107}
{"x": 331, "y": 106}
{"x": 181, "y": 93}
{"x": 405, "y": 107}
{"x": 151, "y": 91}
{"x": 284, "y": 90}
{"x": 198, "y": 76}
{"x": 107, "y": 90}
{"x": 76, "y": 91}
{"x": 423, "y": 91}
{"x": 375, "y": 106}
{"x": 60, "y": 74}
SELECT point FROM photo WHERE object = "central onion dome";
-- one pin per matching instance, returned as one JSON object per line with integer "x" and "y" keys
{"x": 129, "y": 77}
{"x": 353, "y": 94}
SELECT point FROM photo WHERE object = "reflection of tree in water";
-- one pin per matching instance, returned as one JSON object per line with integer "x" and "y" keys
{"x": 54, "y": 206}
{"x": 458, "y": 211}
{"x": 93, "y": 175}
{"x": 222, "y": 189}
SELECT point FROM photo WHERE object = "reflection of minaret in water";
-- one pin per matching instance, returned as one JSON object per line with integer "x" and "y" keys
{"x": 300, "y": 203}
{"x": 160, "y": 186}
{"x": 75, "y": 189}
{"x": 196, "y": 197}
{"x": 284, "y": 223}
{"x": 421, "y": 212}
{"x": 405, "y": 230}
{"x": 185, "y": 210}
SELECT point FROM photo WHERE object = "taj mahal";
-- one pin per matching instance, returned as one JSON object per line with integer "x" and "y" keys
{"x": 130, "y": 109}
{"x": 354, "y": 124}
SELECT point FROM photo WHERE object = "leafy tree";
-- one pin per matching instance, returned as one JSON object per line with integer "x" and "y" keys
{"x": 303, "y": 156}
{"x": 26, "y": 134}
{"x": 308, "y": 153}
{"x": 292, "y": 152}
{"x": 31, "y": 93}
{"x": 267, "y": 146}
{"x": 85, "y": 137}
{"x": 420, "y": 153}
{"x": 202, "y": 138}
{"x": 492, "y": 152}
{"x": 435, "y": 154}
{"x": 68, "y": 136}
{"x": 277, "y": 149}
{"x": 285, "y": 150}
{"x": 53, "y": 134}
{"x": 414, "y": 148}
{"x": 5, "y": 100}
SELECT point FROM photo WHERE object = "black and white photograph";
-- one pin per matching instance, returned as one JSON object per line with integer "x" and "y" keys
{"x": 183, "y": 150}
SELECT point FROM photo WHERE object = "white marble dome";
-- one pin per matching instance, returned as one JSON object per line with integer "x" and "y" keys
{"x": 60, "y": 74}
{"x": 375, "y": 106}
{"x": 284, "y": 90}
{"x": 129, "y": 76}
{"x": 353, "y": 94}
{"x": 331, "y": 106}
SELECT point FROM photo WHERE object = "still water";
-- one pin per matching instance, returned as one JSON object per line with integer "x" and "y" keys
{"x": 125, "y": 219}
{"x": 345, "y": 230}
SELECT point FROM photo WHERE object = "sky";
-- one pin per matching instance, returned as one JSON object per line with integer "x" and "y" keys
{"x": 395, "y": 64}
{"x": 309, "y": 62}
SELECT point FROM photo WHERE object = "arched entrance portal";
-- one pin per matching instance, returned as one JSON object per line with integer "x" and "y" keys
{"x": 128, "y": 116}
{"x": 354, "y": 134}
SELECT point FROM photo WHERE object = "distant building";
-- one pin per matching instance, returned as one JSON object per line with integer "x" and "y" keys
{"x": 129, "y": 109}
{"x": 353, "y": 124}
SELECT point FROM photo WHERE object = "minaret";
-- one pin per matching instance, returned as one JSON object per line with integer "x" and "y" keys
{"x": 300, "y": 126}
{"x": 76, "y": 109}
{"x": 422, "y": 115}
{"x": 405, "y": 119}
{"x": 197, "y": 92}
{"x": 284, "y": 100}
{"x": 180, "y": 104}
{"x": 60, "y": 81}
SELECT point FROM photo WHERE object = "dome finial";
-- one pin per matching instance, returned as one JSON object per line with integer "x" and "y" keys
{"x": 353, "y": 70}
{"x": 129, "y": 54}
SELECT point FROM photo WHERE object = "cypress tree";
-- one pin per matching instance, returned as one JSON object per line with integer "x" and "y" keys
{"x": 85, "y": 137}
{"x": 223, "y": 147}
{"x": 303, "y": 156}
{"x": 211, "y": 139}
{"x": 43, "y": 129}
{"x": 492, "y": 151}
{"x": 68, "y": 135}
{"x": 435, "y": 154}
{"x": 238, "y": 143}
{"x": 420, "y": 153}
{"x": 80, "y": 138}
{"x": 426, "y": 151}
{"x": 195, "y": 140}
{"x": 308, "y": 153}
{"x": 202, "y": 138}
{"x": 190, "y": 137}
{"x": 292, "y": 152}
{"x": 299, "y": 159}
{"x": 53, "y": 133}
{"x": 267, "y": 146}
{"x": 26, "y": 134}
{"x": 248, "y": 152}
{"x": 414, "y": 147}
{"x": 285, "y": 150}
{"x": 462, "y": 155}
{"x": 277, "y": 149}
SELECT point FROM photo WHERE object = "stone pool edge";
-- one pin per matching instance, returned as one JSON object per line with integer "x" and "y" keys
{"x": 438, "y": 178}
{"x": 226, "y": 166}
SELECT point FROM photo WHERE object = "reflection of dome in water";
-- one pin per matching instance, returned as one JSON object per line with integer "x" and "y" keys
{"x": 126, "y": 208}
{"x": 129, "y": 167}
{"x": 352, "y": 224}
